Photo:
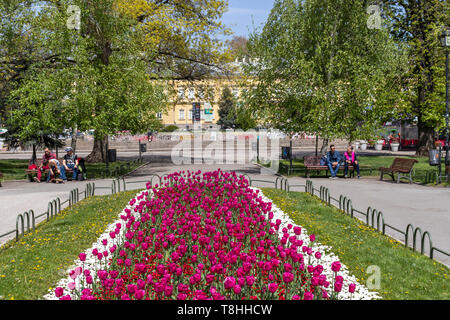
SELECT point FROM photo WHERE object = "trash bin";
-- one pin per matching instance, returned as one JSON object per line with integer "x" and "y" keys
{"x": 285, "y": 153}
{"x": 112, "y": 155}
{"x": 143, "y": 147}
{"x": 435, "y": 157}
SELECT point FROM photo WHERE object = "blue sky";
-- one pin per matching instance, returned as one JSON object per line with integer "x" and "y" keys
{"x": 245, "y": 15}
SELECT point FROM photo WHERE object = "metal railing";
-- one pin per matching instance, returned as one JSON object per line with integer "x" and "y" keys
{"x": 55, "y": 206}
{"x": 375, "y": 220}
{"x": 373, "y": 217}
{"x": 53, "y": 209}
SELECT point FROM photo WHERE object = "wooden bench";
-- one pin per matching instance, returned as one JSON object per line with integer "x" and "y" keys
{"x": 312, "y": 163}
{"x": 31, "y": 174}
{"x": 402, "y": 166}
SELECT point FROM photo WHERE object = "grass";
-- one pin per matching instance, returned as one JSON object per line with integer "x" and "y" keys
{"x": 15, "y": 169}
{"x": 34, "y": 264}
{"x": 404, "y": 274}
{"x": 369, "y": 167}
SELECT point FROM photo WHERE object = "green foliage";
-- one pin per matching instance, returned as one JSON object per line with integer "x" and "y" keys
{"x": 319, "y": 68}
{"x": 418, "y": 24}
{"x": 95, "y": 81}
{"x": 170, "y": 128}
{"x": 227, "y": 109}
{"x": 103, "y": 76}
{"x": 244, "y": 118}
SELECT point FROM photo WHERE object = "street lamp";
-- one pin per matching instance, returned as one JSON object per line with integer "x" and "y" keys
{"x": 445, "y": 41}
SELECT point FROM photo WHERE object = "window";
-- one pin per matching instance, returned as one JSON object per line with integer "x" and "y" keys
{"x": 190, "y": 114}
{"x": 181, "y": 93}
{"x": 191, "y": 94}
{"x": 201, "y": 93}
{"x": 159, "y": 115}
{"x": 181, "y": 114}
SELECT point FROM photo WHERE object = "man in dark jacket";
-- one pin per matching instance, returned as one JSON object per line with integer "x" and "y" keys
{"x": 333, "y": 161}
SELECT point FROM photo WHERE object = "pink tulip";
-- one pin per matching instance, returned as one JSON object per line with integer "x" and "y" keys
{"x": 273, "y": 287}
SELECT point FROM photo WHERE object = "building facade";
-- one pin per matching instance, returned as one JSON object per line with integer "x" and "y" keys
{"x": 186, "y": 96}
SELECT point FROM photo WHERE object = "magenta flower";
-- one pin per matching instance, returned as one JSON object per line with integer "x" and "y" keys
{"x": 229, "y": 283}
{"x": 338, "y": 286}
{"x": 237, "y": 289}
{"x": 308, "y": 295}
{"x": 288, "y": 277}
{"x": 59, "y": 292}
{"x": 273, "y": 287}
{"x": 336, "y": 266}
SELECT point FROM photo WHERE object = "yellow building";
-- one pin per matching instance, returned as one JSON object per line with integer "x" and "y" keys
{"x": 205, "y": 93}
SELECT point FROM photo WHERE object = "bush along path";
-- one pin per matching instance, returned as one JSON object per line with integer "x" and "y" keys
{"x": 207, "y": 236}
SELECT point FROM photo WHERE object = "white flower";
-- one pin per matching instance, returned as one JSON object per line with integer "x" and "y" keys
{"x": 327, "y": 258}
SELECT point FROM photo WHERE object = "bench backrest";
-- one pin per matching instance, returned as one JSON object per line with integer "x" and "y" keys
{"x": 311, "y": 160}
{"x": 403, "y": 163}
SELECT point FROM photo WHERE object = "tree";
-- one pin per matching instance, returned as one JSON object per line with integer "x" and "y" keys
{"x": 103, "y": 76}
{"x": 238, "y": 46}
{"x": 417, "y": 23}
{"x": 227, "y": 110}
{"x": 18, "y": 52}
{"x": 318, "y": 68}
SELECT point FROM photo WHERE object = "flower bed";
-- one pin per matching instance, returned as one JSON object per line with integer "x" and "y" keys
{"x": 207, "y": 236}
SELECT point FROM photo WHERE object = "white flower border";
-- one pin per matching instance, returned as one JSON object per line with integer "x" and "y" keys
{"x": 327, "y": 258}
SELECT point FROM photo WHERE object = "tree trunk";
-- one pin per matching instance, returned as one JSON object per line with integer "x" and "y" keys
{"x": 33, "y": 156}
{"x": 426, "y": 140}
{"x": 73, "y": 143}
{"x": 323, "y": 150}
{"x": 98, "y": 153}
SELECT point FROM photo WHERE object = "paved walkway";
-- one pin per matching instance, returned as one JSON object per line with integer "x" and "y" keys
{"x": 401, "y": 204}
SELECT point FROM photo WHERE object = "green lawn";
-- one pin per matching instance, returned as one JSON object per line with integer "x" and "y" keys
{"x": 34, "y": 264}
{"x": 369, "y": 167}
{"x": 404, "y": 274}
{"x": 15, "y": 169}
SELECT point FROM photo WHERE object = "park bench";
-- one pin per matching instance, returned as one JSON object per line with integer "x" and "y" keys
{"x": 31, "y": 174}
{"x": 402, "y": 166}
{"x": 312, "y": 163}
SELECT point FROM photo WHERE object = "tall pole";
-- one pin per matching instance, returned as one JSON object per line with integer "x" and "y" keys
{"x": 447, "y": 173}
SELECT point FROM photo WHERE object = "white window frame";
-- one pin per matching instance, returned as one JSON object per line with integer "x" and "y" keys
{"x": 181, "y": 93}
{"x": 191, "y": 93}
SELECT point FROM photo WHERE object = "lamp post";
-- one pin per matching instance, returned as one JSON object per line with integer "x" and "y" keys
{"x": 445, "y": 41}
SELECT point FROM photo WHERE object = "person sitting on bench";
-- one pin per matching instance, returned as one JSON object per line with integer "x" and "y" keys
{"x": 333, "y": 161}
{"x": 54, "y": 174}
{"x": 70, "y": 161}
{"x": 350, "y": 160}
{"x": 44, "y": 166}
{"x": 48, "y": 155}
